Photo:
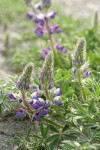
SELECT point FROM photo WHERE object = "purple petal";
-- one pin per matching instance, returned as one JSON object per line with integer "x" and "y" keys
{"x": 44, "y": 112}
{"x": 63, "y": 49}
{"x": 12, "y": 96}
{"x": 59, "y": 103}
{"x": 29, "y": 15}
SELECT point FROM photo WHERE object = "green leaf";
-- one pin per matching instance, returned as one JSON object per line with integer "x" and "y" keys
{"x": 65, "y": 127}
{"x": 80, "y": 108}
{"x": 52, "y": 137}
{"x": 91, "y": 106}
{"x": 63, "y": 78}
{"x": 36, "y": 136}
{"x": 53, "y": 128}
{"x": 42, "y": 129}
{"x": 46, "y": 131}
{"x": 54, "y": 144}
{"x": 58, "y": 74}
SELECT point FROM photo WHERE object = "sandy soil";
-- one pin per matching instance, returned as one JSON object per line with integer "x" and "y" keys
{"x": 10, "y": 127}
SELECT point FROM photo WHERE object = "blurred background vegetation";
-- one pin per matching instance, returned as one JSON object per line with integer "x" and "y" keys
{"x": 19, "y": 44}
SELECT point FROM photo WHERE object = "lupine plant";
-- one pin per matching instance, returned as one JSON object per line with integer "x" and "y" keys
{"x": 62, "y": 105}
{"x": 80, "y": 64}
{"x": 61, "y": 120}
{"x": 42, "y": 16}
{"x": 45, "y": 94}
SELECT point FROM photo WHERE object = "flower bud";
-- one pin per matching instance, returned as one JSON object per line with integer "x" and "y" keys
{"x": 74, "y": 70}
{"x": 45, "y": 52}
{"x": 79, "y": 56}
{"x": 46, "y": 3}
{"x": 46, "y": 75}
{"x": 24, "y": 80}
{"x": 39, "y": 6}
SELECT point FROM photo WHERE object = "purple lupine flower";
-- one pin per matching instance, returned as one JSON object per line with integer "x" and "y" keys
{"x": 20, "y": 100}
{"x": 12, "y": 96}
{"x": 51, "y": 15}
{"x": 40, "y": 102}
{"x": 34, "y": 104}
{"x": 57, "y": 101}
{"x": 74, "y": 70}
{"x": 51, "y": 30}
{"x": 39, "y": 31}
{"x": 44, "y": 112}
{"x": 35, "y": 95}
{"x": 29, "y": 15}
{"x": 20, "y": 113}
{"x": 58, "y": 91}
{"x": 47, "y": 104}
{"x": 57, "y": 29}
{"x": 19, "y": 85}
{"x": 39, "y": 19}
{"x": 58, "y": 46}
{"x": 45, "y": 52}
{"x": 63, "y": 49}
{"x": 88, "y": 73}
{"x": 37, "y": 116}
{"x": 39, "y": 6}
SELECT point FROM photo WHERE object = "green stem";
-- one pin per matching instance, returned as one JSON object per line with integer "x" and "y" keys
{"x": 47, "y": 94}
{"x": 23, "y": 93}
{"x": 80, "y": 84}
{"x": 52, "y": 45}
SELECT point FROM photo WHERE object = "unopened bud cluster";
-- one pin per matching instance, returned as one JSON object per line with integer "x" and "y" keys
{"x": 46, "y": 76}
{"x": 24, "y": 80}
{"x": 79, "y": 58}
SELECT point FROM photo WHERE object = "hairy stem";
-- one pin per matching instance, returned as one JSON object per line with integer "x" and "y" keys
{"x": 23, "y": 93}
{"x": 80, "y": 84}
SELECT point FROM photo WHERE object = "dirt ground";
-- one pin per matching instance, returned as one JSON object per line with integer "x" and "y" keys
{"x": 10, "y": 127}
